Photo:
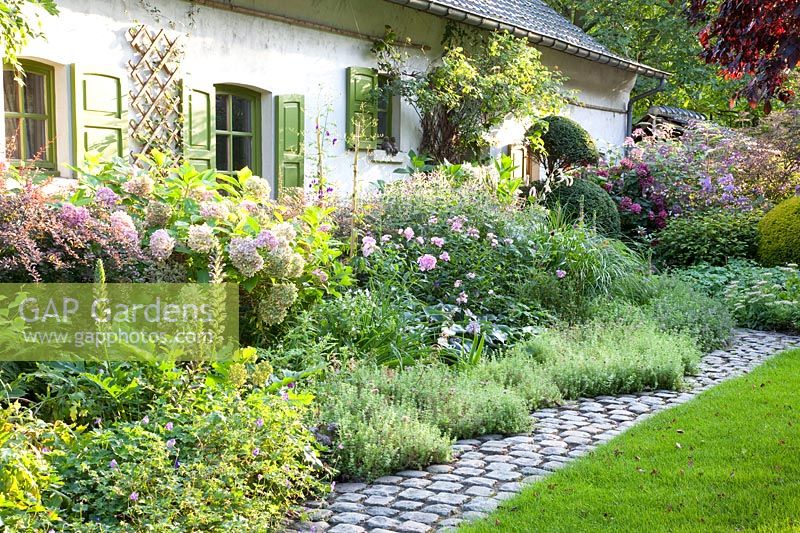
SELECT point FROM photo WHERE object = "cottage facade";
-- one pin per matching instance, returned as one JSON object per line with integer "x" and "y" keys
{"x": 245, "y": 82}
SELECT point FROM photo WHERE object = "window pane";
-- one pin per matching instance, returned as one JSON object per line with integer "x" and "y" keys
{"x": 10, "y": 92}
{"x": 35, "y": 139}
{"x": 33, "y": 93}
{"x": 12, "y": 138}
{"x": 222, "y": 112}
{"x": 383, "y": 126}
{"x": 242, "y": 152}
{"x": 242, "y": 114}
{"x": 222, "y": 152}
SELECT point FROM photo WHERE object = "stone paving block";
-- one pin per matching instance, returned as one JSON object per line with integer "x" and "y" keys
{"x": 346, "y": 528}
{"x": 380, "y": 510}
{"x": 415, "y": 494}
{"x": 483, "y": 505}
{"x": 350, "y": 497}
{"x": 383, "y": 522}
{"x": 445, "y": 486}
{"x": 413, "y": 527}
{"x": 449, "y": 498}
{"x": 468, "y": 471}
{"x": 382, "y": 490}
{"x": 407, "y": 505}
{"x": 477, "y": 490}
{"x": 349, "y": 518}
{"x": 350, "y": 487}
{"x": 416, "y": 483}
{"x": 418, "y": 516}
{"x": 346, "y": 507}
{"x": 379, "y": 500}
{"x": 440, "y": 508}
{"x": 413, "y": 473}
{"x": 503, "y": 475}
{"x": 446, "y": 478}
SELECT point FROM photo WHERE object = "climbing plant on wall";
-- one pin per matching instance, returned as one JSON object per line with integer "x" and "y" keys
{"x": 481, "y": 79}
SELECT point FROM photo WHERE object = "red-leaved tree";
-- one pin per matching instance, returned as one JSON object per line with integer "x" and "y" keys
{"x": 755, "y": 38}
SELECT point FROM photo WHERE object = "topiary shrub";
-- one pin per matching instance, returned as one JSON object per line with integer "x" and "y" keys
{"x": 713, "y": 237}
{"x": 779, "y": 234}
{"x": 598, "y": 208}
{"x": 565, "y": 144}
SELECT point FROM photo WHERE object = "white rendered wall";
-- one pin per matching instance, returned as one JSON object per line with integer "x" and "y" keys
{"x": 227, "y": 47}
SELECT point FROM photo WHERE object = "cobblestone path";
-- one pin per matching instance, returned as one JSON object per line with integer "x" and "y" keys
{"x": 492, "y": 468}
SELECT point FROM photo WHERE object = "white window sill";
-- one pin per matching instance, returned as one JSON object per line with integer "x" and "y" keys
{"x": 381, "y": 156}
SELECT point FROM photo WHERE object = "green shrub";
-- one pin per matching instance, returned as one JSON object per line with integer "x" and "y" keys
{"x": 606, "y": 358}
{"x": 680, "y": 309}
{"x": 204, "y": 458}
{"x": 587, "y": 199}
{"x": 523, "y": 375}
{"x": 376, "y": 436}
{"x": 29, "y": 485}
{"x": 779, "y": 234}
{"x": 566, "y": 144}
{"x": 390, "y": 420}
{"x": 758, "y": 297}
{"x": 462, "y": 405}
{"x": 712, "y": 237}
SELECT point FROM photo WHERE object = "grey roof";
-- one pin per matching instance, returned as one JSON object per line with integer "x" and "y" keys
{"x": 680, "y": 115}
{"x": 536, "y": 21}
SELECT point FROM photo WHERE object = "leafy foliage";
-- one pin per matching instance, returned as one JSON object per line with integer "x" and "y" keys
{"x": 712, "y": 237}
{"x": 779, "y": 234}
{"x": 754, "y": 39}
{"x": 565, "y": 144}
{"x": 480, "y": 80}
{"x": 654, "y": 32}
{"x": 709, "y": 167}
{"x": 19, "y": 23}
{"x": 758, "y": 297}
{"x": 587, "y": 201}
{"x": 612, "y": 358}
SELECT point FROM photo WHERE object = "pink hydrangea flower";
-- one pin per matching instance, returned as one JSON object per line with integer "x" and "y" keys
{"x": 444, "y": 256}
{"x": 386, "y": 238}
{"x": 408, "y": 233}
{"x": 368, "y": 246}
{"x": 437, "y": 241}
{"x": 426, "y": 262}
{"x": 420, "y": 240}
{"x": 457, "y": 223}
{"x": 473, "y": 233}
{"x": 636, "y": 208}
{"x": 560, "y": 274}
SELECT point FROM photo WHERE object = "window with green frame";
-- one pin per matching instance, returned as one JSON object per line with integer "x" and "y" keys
{"x": 238, "y": 129}
{"x": 29, "y": 113}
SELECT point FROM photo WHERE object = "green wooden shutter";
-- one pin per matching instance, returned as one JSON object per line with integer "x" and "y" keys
{"x": 290, "y": 130}
{"x": 100, "y": 114}
{"x": 199, "y": 123}
{"x": 362, "y": 84}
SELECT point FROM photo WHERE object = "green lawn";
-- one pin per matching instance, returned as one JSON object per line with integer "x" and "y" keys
{"x": 727, "y": 461}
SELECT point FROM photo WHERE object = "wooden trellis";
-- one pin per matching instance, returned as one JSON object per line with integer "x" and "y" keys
{"x": 155, "y": 99}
